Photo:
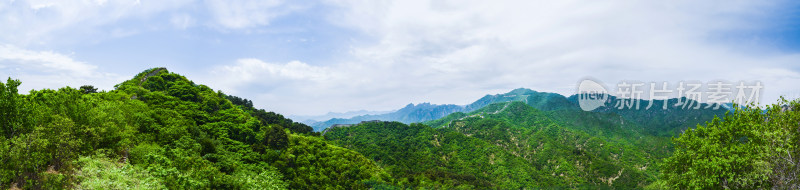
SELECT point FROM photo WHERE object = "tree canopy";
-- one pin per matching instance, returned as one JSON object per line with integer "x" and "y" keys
{"x": 746, "y": 149}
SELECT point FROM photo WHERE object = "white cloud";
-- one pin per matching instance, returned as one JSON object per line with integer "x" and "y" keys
{"x": 182, "y": 21}
{"x": 414, "y": 50}
{"x": 75, "y": 24}
{"x": 44, "y": 22}
{"x": 48, "y": 69}
{"x": 249, "y": 71}
{"x": 45, "y": 60}
{"x": 35, "y": 22}
{"x": 245, "y": 14}
{"x": 457, "y": 51}
{"x": 548, "y": 44}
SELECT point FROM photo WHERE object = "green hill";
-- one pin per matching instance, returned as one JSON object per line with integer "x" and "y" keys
{"x": 680, "y": 114}
{"x": 540, "y": 100}
{"x": 520, "y": 145}
{"x": 160, "y": 130}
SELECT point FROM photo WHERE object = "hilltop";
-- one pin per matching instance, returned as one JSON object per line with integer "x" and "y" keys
{"x": 160, "y": 130}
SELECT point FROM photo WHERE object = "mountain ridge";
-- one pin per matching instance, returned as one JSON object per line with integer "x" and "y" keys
{"x": 545, "y": 101}
{"x": 512, "y": 138}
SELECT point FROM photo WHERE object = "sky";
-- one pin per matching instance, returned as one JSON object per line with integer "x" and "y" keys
{"x": 313, "y": 57}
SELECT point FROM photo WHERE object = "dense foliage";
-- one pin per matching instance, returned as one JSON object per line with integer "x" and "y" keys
{"x": 501, "y": 146}
{"x": 270, "y": 117}
{"x": 420, "y": 156}
{"x": 582, "y": 158}
{"x": 748, "y": 149}
{"x": 663, "y": 120}
{"x": 161, "y": 130}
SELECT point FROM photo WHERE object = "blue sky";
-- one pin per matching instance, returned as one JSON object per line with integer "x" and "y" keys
{"x": 312, "y": 57}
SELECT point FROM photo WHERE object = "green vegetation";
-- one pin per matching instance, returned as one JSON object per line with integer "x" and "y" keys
{"x": 501, "y": 146}
{"x": 102, "y": 173}
{"x": 748, "y": 149}
{"x": 659, "y": 121}
{"x": 422, "y": 157}
{"x": 160, "y": 130}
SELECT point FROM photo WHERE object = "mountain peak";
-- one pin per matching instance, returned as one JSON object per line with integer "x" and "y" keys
{"x": 539, "y": 100}
{"x": 520, "y": 91}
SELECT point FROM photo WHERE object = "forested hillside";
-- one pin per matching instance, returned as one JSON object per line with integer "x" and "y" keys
{"x": 503, "y": 145}
{"x": 662, "y": 120}
{"x": 659, "y": 120}
{"x": 160, "y": 130}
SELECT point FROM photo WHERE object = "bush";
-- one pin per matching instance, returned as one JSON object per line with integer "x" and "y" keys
{"x": 98, "y": 172}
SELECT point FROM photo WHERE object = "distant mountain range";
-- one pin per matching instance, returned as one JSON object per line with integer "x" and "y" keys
{"x": 311, "y": 119}
{"x": 525, "y": 138}
{"x": 656, "y": 119}
{"x": 511, "y": 145}
{"x": 409, "y": 114}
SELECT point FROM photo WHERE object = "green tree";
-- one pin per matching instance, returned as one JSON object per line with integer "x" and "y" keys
{"x": 160, "y": 130}
{"x": 276, "y": 138}
{"x": 88, "y": 89}
{"x": 11, "y": 109}
{"x": 747, "y": 149}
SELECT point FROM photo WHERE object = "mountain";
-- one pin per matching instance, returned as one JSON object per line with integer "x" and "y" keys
{"x": 422, "y": 157}
{"x": 560, "y": 145}
{"x": 160, "y": 130}
{"x": 313, "y": 119}
{"x": 679, "y": 114}
{"x": 664, "y": 122}
{"x": 539, "y": 100}
{"x": 502, "y": 146}
{"x": 425, "y": 112}
{"x": 409, "y": 114}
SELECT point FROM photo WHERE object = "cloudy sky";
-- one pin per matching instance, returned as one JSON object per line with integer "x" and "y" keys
{"x": 312, "y": 57}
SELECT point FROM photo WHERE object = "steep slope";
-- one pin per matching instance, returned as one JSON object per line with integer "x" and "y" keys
{"x": 547, "y": 154}
{"x": 680, "y": 114}
{"x": 642, "y": 135}
{"x": 423, "y": 157}
{"x": 164, "y": 129}
{"x": 231, "y": 136}
{"x": 534, "y": 134}
{"x": 653, "y": 121}
{"x": 540, "y": 100}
